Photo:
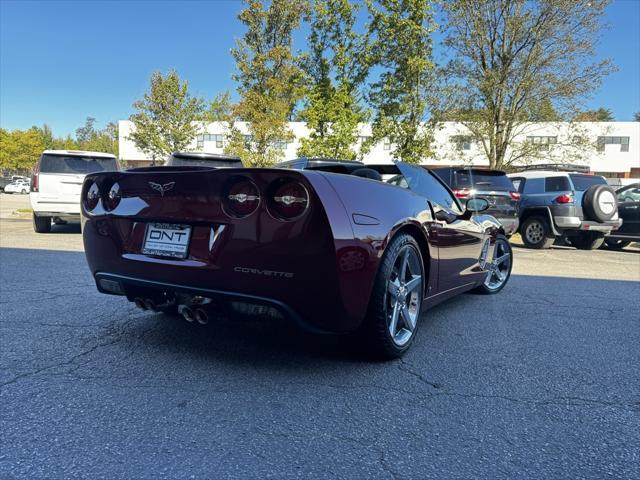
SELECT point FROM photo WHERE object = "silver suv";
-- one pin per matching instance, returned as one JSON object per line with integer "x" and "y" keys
{"x": 581, "y": 207}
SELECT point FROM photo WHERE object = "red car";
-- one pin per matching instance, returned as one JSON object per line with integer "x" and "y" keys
{"x": 335, "y": 252}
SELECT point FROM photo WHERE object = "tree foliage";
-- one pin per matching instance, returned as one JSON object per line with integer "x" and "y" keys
{"x": 600, "y": 115}
{"x": 636, "y": 117}
{"x": 269, "y": 80}
{"x": 220, "y": 108}
{"x": 512, "y": 56}
{"x": 403, "y": 48}
{"x": 91, "y": 139}
{"x": 167, "y": 118}
{"x": 20, "y": 149}
{"x": 335, "y": 70}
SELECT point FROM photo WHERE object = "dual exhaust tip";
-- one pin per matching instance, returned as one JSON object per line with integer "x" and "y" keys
{"x": 199, "y": 315}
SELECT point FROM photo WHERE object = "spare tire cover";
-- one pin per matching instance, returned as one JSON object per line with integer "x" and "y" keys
{"x": 599, "y": 203}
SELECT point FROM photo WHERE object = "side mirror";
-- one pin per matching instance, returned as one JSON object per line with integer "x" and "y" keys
{"x": 475, "y": 205}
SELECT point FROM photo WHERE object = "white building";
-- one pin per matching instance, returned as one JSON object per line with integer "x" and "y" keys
{"x": 616, "y": 153}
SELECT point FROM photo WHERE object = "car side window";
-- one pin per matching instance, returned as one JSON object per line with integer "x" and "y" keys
{"x": 556, "y": 184}
{"x": 631, "y": 194}
{"x": 518, "y": 183}
{"x": 430, "y": 186}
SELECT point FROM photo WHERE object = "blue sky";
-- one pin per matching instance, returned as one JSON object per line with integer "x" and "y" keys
{"x": 61, "y": 61}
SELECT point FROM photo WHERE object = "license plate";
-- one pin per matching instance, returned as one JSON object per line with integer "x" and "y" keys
{"x": 167, "y": 240}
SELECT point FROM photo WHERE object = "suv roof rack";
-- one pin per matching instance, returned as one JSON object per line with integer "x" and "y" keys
{"x": 555, "y": 167}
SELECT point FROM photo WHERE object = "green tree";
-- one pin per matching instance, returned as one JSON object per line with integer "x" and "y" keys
{"x": 167, "y": 118}
{"x": 335, "y": 70}
{"x": 269, "y": 80}
{"x": 636, "y": 117}
{"x": 403, "y": 49}
{"x": 220, "y": 108}
{"x": 509, "y": 56}
{"x": 20, "y": 149}
{"x": 600, "y": 115}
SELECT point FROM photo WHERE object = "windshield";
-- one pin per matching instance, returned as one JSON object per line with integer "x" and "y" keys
{"x": 205, "y": 162}
{"x": 428, "y": 185}
{"x": 583, "y": 182}
{"x": 76, "y": 164}
{"x": 483, "y": 180}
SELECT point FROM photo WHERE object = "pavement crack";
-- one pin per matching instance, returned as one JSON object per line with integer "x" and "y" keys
{"x": 407, "y": 368}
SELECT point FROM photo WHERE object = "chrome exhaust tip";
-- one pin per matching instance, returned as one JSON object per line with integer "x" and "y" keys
{"x": 186, "y": 312}
{"x": 201, "y": 316}
{"x": 140, "y": 303}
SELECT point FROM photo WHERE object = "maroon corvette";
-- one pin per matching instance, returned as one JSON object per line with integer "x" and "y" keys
{"x": 336, "y": 252}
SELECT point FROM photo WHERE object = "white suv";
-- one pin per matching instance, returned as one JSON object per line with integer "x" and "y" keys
{"x": 57, "y": 182}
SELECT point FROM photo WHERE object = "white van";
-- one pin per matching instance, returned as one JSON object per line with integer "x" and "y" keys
{"x": 57, "y": 183}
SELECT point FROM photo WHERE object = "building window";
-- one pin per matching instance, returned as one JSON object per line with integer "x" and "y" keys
{"x": 280, "y": 144}
{"x": 364, "y": 138}
{"x": 247, "y": 140}
{"x": 622, "y": 141}
{"x": 462, "y": 142}
{"x": 208, "y": 137}
{"x": 542, "y": 142}
{"x": 386, "y": 145}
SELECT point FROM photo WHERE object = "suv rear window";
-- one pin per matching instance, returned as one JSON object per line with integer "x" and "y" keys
{"x": 556, "y": 184}
{"x": 76, "y": 164}
{"x": 483, "y": 180}
{"x": 582, "y": 182}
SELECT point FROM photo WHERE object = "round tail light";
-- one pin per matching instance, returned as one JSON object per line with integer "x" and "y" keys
{"x": 113, "y": 197}
{"x": 92, "y": 197}
{"x": 242, "y": 197}
{"x": 289, "y": 199}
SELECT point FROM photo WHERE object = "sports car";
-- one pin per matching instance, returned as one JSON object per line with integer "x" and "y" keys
{"x": 334, "y": 252}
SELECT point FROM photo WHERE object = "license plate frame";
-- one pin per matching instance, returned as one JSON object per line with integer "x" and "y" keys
{"x": 163, "y": 245}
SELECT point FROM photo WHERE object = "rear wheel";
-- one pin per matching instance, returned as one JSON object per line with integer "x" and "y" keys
{"x": 587, "y": 240}
{"x": 536, "y": 233}
{"x": 41, "y": 224}
{"x": 394, "y": 307}
{"x": 616, "y": 244}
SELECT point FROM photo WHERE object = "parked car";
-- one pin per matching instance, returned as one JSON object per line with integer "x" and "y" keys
{"x": 338, "y": 253}
{"x": 57, "y": 182}
{"x": 18, "y": 186}
{"x": 629, "y": 211}
{"x": 581, "y": 207}
{"x": 492, "y": 185}
{"x": 198, "y": 159}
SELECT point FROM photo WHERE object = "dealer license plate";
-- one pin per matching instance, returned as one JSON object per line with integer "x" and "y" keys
{"x": 167, "y": 240}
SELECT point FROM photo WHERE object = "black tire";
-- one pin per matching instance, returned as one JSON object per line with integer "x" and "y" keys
{"x": 490, "y": 288}
{"x": 23, "y": 191}
{"x": 535, "y": 233}
{"x": 376, "y": 328}
{"x": 587, "y": 240}
{"x": 616, "y": 244}
{"x": 41, "y": 224}
{"x": 599, "y": 203}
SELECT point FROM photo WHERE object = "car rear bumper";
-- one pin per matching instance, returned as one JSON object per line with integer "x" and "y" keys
{"x": 575, "y": 223}
{"x": 54, "y": 208}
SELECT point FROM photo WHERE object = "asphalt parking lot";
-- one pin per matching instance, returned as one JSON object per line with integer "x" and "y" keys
{"x": 540, "y": 381}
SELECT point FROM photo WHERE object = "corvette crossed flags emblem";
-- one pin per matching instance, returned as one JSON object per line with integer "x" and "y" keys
{"x": 162, "y": 187}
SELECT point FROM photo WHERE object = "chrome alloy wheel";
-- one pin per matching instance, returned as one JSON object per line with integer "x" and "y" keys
{"x": 500, "y": 266}
{"x": 404, "y": 295}
{"x": 534, "y": 232}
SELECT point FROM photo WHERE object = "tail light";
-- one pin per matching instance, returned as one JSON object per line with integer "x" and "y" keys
{"x": 35, "y": 177}
{"x": 92, "y": 197}
{"x": 461, "y": 192}
{"x": 515, "y": 195}
{"x": 565, "y": 198}
{"x": 113, "y": 197}
{"x": 289, "y": 199}
{"x": 242, "y": 197}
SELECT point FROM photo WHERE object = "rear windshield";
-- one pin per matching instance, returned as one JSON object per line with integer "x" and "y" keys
{"x": 582, "y": 182}
{"x": 483, "y": 180}
{"x": 75, "y": 164}
{"x": 203, "y": 162}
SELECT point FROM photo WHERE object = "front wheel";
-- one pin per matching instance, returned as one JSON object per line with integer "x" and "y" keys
{"x": 536, "y": 233}
{"x": 616, "y": 244}
{"x": 396, "y": 299}
{"x": 499, "y": 269}
{"x": 587, "y": 240}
